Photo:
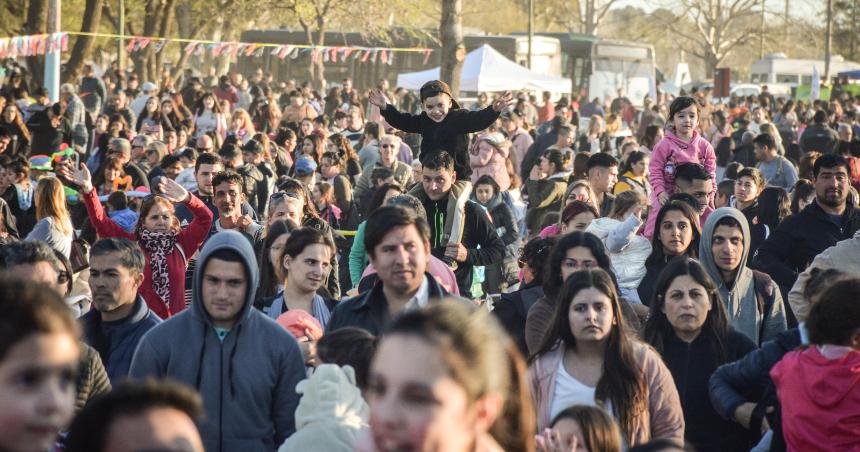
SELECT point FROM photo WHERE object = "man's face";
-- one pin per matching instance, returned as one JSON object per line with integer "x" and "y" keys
{"x": 565, "y": 139}
{"x": 224, "y": 289}
{"x": 4, "y": 143}
{"x": 173, "y": 171}
{"x": 204, "y": 176}
{"x": 727, "y": 247}
{"x": 229, "y": 199}
{"x": 388, "y": 149}
{"x": 347, "y": 85}
{"x": 400, "y": 259}
{"x": 603, "y": 179}
{"x": 760, "y": 152}
{"x": 113, "y": 285}
{"x": 437, "y": 106}
{"x": 437, "y": 182}
{"x": 831, "y": 187}
{"x": 138, "y": 151}
{"x": 698, "y": 189}
{"x": 158, "y": 428}
{"x": 204, "y": 144}
{"x": 40, "y": 272}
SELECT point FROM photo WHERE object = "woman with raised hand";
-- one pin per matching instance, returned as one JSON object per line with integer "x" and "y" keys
{"x": 165, "y": 244}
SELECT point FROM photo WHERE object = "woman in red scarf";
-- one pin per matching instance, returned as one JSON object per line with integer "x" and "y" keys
{"x": 166, "y": 245}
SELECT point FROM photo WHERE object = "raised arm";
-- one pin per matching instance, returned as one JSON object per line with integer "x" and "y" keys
{"x": 105, "y": 227}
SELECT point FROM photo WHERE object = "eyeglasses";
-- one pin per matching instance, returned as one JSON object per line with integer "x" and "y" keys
{"x": 63, "y": 277}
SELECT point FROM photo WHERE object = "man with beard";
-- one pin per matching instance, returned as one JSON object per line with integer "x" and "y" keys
{"x": 229, "y": 198}
{"x": 797, "y": 240}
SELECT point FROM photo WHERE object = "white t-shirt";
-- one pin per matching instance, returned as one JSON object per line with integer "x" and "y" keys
{"x": 568, "y": 392}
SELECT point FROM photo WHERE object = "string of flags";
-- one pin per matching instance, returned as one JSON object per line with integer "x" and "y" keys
{"x": 24, "y": 46}
{"x": 40, "y": 44}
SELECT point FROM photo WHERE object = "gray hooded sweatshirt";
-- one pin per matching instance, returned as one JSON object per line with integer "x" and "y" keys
{"x": 739, "y": 297}
{"x": 247, "y": 382}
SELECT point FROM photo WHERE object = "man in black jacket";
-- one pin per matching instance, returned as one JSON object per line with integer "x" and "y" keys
{"x": 819, "y": 136}
{"x": 438, "y": 177}
{"x": 398, "y": 246}
{"x": 797, "y": 240}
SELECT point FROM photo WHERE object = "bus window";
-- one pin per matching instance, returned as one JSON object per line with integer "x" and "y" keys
{"x": 786, "y": 78}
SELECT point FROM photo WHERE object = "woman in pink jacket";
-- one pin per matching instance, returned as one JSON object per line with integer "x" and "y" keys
{"x": 488, "y": 157}
{"x": 588, "y": 357}
{"x": 681, "y": 144}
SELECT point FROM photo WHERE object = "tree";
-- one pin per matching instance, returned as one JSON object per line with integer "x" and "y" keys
{"x": 719, "y": 27}
{"x": 83, "y": 44}
{"x": 37, "y": 23}
{"x": 453, "y": 49}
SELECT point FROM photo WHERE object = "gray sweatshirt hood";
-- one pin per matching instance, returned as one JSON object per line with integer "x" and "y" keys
{"x": 236, "y": 242}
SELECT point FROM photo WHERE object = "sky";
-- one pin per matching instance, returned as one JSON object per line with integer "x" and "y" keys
{"x": 799, "y": 8}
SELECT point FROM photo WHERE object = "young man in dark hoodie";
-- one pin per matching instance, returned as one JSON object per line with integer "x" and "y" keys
{"x": 444, "y": 127}
{"x": 244, "y": 365}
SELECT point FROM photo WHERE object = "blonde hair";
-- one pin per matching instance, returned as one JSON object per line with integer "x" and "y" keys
{"x": 50, "y": 202}
{"x": 245, "y": 118}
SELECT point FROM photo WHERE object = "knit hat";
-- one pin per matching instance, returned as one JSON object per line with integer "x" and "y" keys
{"x": 295, "y": 321}
{"x": 40, "y": 162}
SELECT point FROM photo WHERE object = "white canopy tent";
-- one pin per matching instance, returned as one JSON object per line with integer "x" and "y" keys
{"x": 485, "y": 69}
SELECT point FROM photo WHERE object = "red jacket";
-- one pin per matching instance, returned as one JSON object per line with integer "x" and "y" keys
{"x": 820, "y": 400}
{"x": 189, "y": 239}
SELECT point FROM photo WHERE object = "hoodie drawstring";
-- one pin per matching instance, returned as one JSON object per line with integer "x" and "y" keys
{"x": 200, "y": 361}
{"x": 232, "y": 355}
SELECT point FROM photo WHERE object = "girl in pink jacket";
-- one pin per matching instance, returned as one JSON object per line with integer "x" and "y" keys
{"x": 680, "y": 144}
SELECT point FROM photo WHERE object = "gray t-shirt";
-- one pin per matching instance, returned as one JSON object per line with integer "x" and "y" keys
{"x": 779, "y": 173}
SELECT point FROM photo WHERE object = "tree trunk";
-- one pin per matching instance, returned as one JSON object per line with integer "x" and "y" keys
{"x": 83, "y": 44}
{"x": 828, "y": 40}
{"x": 453, "y": 49}
{"x": 164, "y": 31}
{"x": 37, "y": 23}
{"x": 318, "y": 68}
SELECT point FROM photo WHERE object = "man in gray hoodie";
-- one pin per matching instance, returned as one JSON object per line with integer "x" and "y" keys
{"x": 753, "y": 302}
{"x": 245, "y": 366}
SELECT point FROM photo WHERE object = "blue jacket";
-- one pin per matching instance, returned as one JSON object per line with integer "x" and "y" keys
{"x": 116, "y": 341}
{"x": 247, "y": 380}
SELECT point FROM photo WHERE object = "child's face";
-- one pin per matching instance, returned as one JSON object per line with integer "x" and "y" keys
{"x": 569, "y": 431}
{"x": 37, "y": 391}
{"x": 437, "y": 106}
{"x": 686, "y": 121}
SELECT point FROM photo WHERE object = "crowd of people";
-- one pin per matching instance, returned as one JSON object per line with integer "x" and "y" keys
{"x": 246, "y": 264}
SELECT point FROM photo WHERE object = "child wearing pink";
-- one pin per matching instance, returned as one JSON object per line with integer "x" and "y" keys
{"x": 670, "y": 152}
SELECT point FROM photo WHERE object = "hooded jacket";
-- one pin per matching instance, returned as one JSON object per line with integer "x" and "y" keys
{"x": 450, "y": 135}
{"x": 820, "y": 399}
{"x": 627, "y": 250}
{"x": 741, "y": 297}
{"x": 844, "y": 256}
{"x": 247, "y": 382}
{"x": 331, "y": 413}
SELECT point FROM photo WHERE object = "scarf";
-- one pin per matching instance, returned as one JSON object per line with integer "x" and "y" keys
{"x": 158, "y": 245}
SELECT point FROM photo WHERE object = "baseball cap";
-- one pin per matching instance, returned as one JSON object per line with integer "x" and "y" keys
{"x": 40, "y": 162}
{"x": 305, "y": 166}
{"x": 296, "y": 320}
{"x": 149, "y": 86}
{"x": 434, "y": 88}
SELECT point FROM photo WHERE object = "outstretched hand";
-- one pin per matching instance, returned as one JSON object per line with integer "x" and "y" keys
{"x": 172, "y": 190}
{"x": 79, "y": 176}
{"x": 377, "y": 98}
{"x": 503, "y": 102}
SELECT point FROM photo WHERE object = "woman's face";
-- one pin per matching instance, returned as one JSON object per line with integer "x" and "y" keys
{"x": 676, "y": 233}
{"x": 641, "y": 167}
{"x": 236, "y": 122}
{"x": 152, "y": 158}
{"x": 102, "y": 123}
{"x": 577, "y": 258}
{"x": 579, "y": 193}
{"x": 111, "y": 174}
{"x": 167, "y": 106}
{"x": 159, "y": 219}
{"x": 803, "y": 202}
{"x": 309, "y": 269}
{"x": 307, "y": 127}
{"x": 415, "y": 404}
{"x": 308, "y": 147}
{"x": 686, "y": 304}
{"x": 483, "y": 193}
{"x": 208, "y": 102}
{"x": 568, "y": 430}
{"x": 181, "y": 138}
{"x": 545, "y": 166}
{"x": 9, "y": 113}
{"x": 275, "y": 252}
{"x": 152, "y": 104}
{"x": 590, "y": 315}
{"x": 746, "y": 189}
{"x": 579, "y": 222}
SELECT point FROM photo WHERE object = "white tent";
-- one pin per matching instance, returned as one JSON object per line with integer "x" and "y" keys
{"x": 485, "y": 69}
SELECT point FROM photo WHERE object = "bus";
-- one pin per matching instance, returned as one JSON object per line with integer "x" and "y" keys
{"x": 599, "y": 67}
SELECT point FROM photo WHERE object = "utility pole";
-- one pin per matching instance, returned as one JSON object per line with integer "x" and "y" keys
{"x": 785, "y": 30}
{"x": 531, "y": 31}
{"x": 52, "y": 59}
{"x": 120, "y": 49}
{"x": 828, "y": 41}
{"x": 761, "y": 34}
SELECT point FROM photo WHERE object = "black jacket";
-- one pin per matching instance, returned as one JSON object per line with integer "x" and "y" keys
{"x": 478, "y": 229}
{"x": 535, "y": 151}
{"x": 450, "y": 135}
{"x": 25, "y": 220}
{"x": 369, "y": 310}
{"x": 92, "y": 380}
{"x": 819, "y": 137}
{"x": 253, "y": 179}
{"x": 748, "y": 380}
{"x": 46, "y": 139}
{"x": 793, "y": 245}
{"x": 692, "y": 365}
{"x": 512, "y": 310}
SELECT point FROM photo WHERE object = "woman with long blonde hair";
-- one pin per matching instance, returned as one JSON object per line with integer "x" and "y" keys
{"x": 241, "y": 126}
{"x": 54, "y": 224}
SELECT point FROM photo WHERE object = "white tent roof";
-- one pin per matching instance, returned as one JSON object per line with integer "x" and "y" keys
{"x": 485, "y": 69}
